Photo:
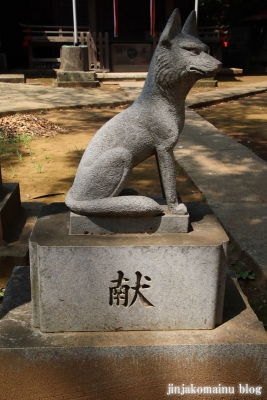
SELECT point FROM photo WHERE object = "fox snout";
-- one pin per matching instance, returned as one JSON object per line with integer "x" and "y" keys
{"x": 205, "y": 65}
{"x": 212, "y": 66}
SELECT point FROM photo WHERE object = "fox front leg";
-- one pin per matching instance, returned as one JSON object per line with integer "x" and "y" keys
{"x": 166, "y": 165}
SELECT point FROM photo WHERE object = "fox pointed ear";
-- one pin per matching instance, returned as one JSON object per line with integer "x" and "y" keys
{"x": 190, "y": 25}
{"x": 172, "y": 28}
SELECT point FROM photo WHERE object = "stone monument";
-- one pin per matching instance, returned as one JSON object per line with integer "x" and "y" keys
{"x": 133, "y": 263}
{"x": 74, "y": 68}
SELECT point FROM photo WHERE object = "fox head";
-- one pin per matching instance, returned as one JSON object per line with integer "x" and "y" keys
{"x": 180, "y": 55}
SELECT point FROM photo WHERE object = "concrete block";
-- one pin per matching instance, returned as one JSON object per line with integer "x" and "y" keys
{"x": 132, "y": 365}
{"x": 169, "y": 223}
{"x": 162, "y": 281}
{"x": 74, "y": 58}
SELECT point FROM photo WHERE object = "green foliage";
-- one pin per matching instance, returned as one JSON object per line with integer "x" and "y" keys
{"x": 46, "y": 155}
{"x": 38, "y": 166}
{"x": 3, "y": 149}
{"x": 241, "y": 274}
{"x": 233, "y": 263}
{"x": 25, "y": 139}
{"x": 17, "y": 138}
{"x": 19, "y": 156}
{"x": 260, "y": 305}
{"x": 232, "y": 247}
{"x": 179, "y": 170}
{"x": 13, "y": 173}
{"x": 203, "y": 199}
{"x": 79, "y": 151}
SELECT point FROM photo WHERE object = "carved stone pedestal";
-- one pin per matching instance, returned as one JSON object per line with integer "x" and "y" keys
{"x": 134, "y": 365}
{"x": 76, "y": 78}
{"x": 158, "y": 281}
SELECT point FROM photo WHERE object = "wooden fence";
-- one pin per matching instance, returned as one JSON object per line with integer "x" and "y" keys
{"x": 57, "y": 36}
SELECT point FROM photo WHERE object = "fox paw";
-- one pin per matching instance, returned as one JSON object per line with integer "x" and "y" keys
{"x": 178, "y": 209}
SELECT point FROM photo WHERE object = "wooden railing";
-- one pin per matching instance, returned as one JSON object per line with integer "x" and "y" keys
{"x": 57, "y": 36}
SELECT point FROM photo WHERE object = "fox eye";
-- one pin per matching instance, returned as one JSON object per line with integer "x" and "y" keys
{"x": 193, "y": 51}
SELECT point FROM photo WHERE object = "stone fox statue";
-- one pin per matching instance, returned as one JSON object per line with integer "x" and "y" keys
{"x": 151, "y": 125}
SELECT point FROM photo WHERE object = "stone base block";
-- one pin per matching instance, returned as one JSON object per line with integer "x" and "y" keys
{"x": 76, "y": 79}
{"x": 161, "y": 281}
{"x": 74, "y": 84}
{"x": 9, "y": 206}
{"x": 74, "y": 58}
{"x": 75, "y": 76}
{"x": 206, "y": 83}
{"x": 168, "y": 223}
{"x": 132, "y": 365}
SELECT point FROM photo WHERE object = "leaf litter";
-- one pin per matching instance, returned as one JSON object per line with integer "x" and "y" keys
{"x": 28, "y": 124}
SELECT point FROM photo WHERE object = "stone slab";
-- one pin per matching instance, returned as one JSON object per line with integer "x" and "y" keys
{"x": 168, "y": 223}
{"x": 209, "y": 98}
{"x": 12, "y": 78}
{"x": 83, "y": 76}
{"x": 206, "y": 83}
{"x": 230, "y": 176}
{"x": 102, "y": 76}
{"x": 118, "y": 76}
{"x": 136, "y": 365}
{"x": 230, "y": 71}
{"x": 30, "y": 97}
{"x": 9, "y": 206}
{"x": 168, "y": 281}
{"x": 74, "y": 84}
